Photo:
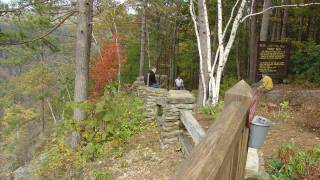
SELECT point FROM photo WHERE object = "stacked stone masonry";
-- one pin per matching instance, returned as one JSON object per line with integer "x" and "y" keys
{"x": 170, "y": 124}
{"x": 164, "y": 106}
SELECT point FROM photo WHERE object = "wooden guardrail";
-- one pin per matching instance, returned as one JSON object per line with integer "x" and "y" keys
{"x": 220, "y": 154}
{"x": 192, "y": 125}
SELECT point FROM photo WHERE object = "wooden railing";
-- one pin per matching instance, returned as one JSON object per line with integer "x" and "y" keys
{"x": 219, "y": 154}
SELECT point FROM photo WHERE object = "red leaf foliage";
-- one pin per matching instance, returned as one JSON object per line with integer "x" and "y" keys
{"x": 106, "y": 66}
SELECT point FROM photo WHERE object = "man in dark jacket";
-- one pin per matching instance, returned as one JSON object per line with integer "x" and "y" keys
{"x": 150, "y": 78}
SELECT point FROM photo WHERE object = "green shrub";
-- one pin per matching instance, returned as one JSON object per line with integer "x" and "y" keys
{"x": 306, "y": 63}
{"x": 283, "y": 112}
{"x": 213, "y": 111}
{"x": 101, "y": 174}
{"x": 226, "y": 83}
{"x": 294, "y": 163}
{"x": 109, "y": 124}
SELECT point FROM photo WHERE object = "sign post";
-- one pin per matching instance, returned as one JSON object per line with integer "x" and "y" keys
{"x": 272, "y": 58}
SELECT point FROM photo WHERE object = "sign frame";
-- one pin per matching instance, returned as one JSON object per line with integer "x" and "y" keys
{"x": 286, "y": 48}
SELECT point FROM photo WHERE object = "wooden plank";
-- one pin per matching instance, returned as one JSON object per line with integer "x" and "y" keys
{"x": 215, "y": 146}
{"x": 221, "y": 155}
{"x": 186, "y": 145}
{"x": 192, "y": 125}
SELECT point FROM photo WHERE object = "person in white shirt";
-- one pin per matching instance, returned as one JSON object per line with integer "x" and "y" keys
{"x": 179, "y": 83}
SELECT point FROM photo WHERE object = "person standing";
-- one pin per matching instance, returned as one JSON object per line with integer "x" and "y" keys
{"x": 179, "y": 83}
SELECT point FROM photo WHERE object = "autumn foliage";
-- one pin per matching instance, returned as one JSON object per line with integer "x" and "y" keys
{"x": 106, "y": 68}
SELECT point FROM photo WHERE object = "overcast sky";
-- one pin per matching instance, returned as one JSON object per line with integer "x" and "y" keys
{"x": 8, "y": 1}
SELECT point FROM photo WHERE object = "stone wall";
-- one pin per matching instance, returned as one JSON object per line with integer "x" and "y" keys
{"x": 169, "y": 115}
{"x": 150, "y": 97}
{"x": 164, "y": 106}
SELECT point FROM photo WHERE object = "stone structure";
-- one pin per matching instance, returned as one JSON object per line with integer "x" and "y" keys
{"x": 164, "y": 106}
{"x": 150, "y": 97}
{"x": 255, "y": 165}
{"x": 169, "y": 115}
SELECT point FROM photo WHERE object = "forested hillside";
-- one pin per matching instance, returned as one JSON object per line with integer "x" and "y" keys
{"x": 67, "y": 104}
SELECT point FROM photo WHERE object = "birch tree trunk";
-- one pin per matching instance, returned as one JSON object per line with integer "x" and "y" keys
{"x": 142, "y": 37}
{"x": 205, "y": 44}
{"x": 202, "y": 94}
{"x": 226, "y": 50}
{"x": 118, "y": 56}
{"x": 83, "y": 44}
{"x": 265, "y": 21}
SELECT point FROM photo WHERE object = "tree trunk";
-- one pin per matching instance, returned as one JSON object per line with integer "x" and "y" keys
{"x": 42, "y": 113}
{"x": 284, "y": 22}
{"x": 142, "y": 38}
{"x": 83, "y": 45}
{"x": 274, "y": 25}
{"x": 204, "y": 52}
{"x": 238, "y": 58}
{"x": 253, "y": 44}
{"x": 278, "y": 34}
{"x": 118, "y": 56}
{"x": 265, "y": 21}
{"x": 308, "y": 30}
{"x": 173, "y": 52}
{"x": 52, "y": 112}
{"x": 300, "y": 28}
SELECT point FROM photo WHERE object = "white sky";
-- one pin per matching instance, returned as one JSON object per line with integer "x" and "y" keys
{"x": 6, "y": 1}
{"x": 9, "y": 1}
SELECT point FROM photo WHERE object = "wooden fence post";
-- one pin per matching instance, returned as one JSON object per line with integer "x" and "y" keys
{"x": 241, "y": 92}
{"x": 222, "y": 153}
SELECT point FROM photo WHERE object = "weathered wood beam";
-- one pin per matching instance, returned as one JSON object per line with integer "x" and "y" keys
{"x": 191, "y": 124}
{"x": 221, "y": 154}
{"x": 186, "y": 145}
{"x": 208, "y": 157}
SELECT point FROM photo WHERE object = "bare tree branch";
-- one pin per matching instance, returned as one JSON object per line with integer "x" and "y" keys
{"x": 18, "y": 9}
{"x": 280, "y": 6}
{"x": 230, "y": 19}
{"x": 40, "y": 36}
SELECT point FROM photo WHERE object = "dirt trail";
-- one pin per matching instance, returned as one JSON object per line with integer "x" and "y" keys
{"x": 296, "y": 128}
{"x": 284, "y": 132}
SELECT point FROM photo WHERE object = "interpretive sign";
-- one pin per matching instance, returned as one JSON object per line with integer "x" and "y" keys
{"x": 272, "y": 59}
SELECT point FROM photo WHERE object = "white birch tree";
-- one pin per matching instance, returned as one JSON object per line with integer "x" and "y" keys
{"x": 226, "y": 37}
{"x": 214, "y": 73}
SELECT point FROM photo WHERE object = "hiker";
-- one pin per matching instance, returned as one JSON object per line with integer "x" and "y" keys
{"x": 179, "y": 83}
{"x": 266, "y": 84}
{"x": 150, "y": 78}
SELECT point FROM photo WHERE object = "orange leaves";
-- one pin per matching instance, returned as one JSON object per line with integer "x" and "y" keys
{"x": 107, "y": 64}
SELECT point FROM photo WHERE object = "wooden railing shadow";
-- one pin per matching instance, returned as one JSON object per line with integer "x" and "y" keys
{"x": 221, "y": 152}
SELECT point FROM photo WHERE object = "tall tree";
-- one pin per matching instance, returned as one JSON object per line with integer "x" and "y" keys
{"x": 142, "y": 37}
{"x": 284, "y": 22}
{"x": 83, "y": 44}
{"x": 253, "y": 43}
{"x": 205, "y": 47}
{"x": 265, "y": 21}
